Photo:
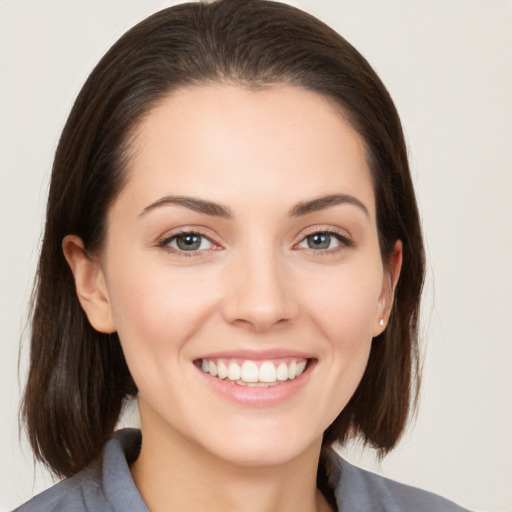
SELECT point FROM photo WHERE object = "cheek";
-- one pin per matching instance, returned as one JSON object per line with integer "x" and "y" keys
{"x": 345, "y": 307}
{"x": 157, "y": 312}
{"x": 344, "y": 310}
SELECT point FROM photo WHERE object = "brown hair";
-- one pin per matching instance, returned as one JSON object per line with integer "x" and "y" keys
{"x": 78, "y": 378}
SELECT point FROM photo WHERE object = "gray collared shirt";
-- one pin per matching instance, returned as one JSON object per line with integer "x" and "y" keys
{"x": 107, "y": 486}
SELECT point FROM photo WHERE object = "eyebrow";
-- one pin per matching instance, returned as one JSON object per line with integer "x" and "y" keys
{"x": 306, "y": 207}
{"x": 192, "y": 203}
{"x": 218, "y": 210}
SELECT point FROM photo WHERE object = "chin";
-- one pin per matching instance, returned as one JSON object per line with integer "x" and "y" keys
{"x": 262, "y": 448}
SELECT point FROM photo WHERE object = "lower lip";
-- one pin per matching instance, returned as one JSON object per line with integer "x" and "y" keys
{"x": 259, "y": 396}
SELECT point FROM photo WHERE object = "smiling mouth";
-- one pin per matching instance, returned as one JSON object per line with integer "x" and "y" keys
{"x": 254, "y": 373}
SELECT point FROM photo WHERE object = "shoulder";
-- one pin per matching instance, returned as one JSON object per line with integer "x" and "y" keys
{"x": 105, "y": 485}
{"x": 360, "y": 490}
{"x": 73, "y": 494}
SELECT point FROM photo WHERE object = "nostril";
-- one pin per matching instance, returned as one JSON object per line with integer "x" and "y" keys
{"x": 259, "y": 324}
{"x": 261, "y": 297}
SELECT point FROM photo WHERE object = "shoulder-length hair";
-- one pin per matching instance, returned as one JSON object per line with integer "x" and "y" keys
{"x": 78, "y": 378}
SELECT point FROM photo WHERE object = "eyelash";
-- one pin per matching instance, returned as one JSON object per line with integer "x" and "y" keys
{"x": 344, "y": 242}
{"x": 164, "y": 243}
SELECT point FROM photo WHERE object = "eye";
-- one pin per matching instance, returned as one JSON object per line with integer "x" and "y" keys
{"x": 187, "y": 242}
{"x": 323, "y": 241}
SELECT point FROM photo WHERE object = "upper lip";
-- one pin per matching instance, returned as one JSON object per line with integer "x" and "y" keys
{"x": 256, "y": 355}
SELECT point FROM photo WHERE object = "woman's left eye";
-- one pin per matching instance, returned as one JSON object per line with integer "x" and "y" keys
{"x": 322, "y": 241}
{"x": 187, "y": 242}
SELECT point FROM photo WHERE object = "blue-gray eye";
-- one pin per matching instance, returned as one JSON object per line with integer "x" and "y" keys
{"x": 321, "y": 241}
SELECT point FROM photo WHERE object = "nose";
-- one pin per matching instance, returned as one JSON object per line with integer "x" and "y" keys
{"x": 260, "y": 292}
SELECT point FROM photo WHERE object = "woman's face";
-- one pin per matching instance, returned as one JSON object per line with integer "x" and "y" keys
{"x": 244, "y": 246}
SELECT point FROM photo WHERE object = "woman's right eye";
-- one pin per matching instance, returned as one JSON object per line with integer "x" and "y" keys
{"x": 188, "y": 242}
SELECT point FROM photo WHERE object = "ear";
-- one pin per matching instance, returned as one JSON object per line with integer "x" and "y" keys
{"x": 90, "y": 285}
{"x": 389, "y": 282}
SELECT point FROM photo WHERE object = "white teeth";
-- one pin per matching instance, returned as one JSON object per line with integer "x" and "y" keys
{"x": 222, "y": 370}
{"x": 213, "y": 369}
{"x": 292, "y": 370}
{"x": 267, "y": 372}
{"x": 234, "y": 371}
{"x": 249, "y": 373}
{"x": 282, "y": 372}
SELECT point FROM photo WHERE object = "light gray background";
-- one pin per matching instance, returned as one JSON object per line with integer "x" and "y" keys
{"x": 448, "y": 65}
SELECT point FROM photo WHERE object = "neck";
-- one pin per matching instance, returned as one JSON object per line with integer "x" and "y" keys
{"x": 173, "y": 474}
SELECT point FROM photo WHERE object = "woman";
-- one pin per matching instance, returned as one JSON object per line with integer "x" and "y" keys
{"x": 232, "y": 236}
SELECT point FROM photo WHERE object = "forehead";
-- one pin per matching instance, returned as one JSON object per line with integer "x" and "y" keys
{"x": 227, "y": 142}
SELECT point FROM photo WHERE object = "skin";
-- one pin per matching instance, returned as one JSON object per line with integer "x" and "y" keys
{"x": 254, "y": 285}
